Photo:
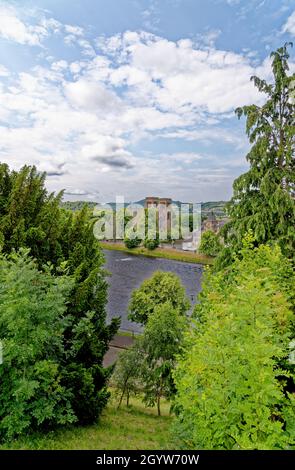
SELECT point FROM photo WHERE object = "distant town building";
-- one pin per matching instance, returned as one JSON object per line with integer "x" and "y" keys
{"x": 163, "y": 205}
{"x": 152, "y": 201}
{"x": 211, "y": 223}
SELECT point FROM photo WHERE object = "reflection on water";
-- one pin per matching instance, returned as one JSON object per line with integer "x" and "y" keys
{"x": 127, "y": 273}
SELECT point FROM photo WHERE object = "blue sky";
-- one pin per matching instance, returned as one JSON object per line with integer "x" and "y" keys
{"x": 134, "y": 97}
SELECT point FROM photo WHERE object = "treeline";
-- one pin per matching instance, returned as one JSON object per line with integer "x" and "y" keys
{"x": 53, "y": 328}
{"x": 77, "y": 205}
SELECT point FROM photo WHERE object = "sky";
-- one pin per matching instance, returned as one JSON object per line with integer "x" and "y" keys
{"x": 134, "y": 98}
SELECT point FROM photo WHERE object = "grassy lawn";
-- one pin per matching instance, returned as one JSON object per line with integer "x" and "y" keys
{"x": 131, "y": 428}
{"x": 166, "y": 253}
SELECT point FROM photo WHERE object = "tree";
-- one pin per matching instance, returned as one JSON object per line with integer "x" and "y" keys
{"x": 162, "y": 341}
{"x": 147, "y": 366}
{"x": 162, "y": 287}
{"x": 263, "y": 197}
{"x": 231, "y": 389}
{"x": 210, "y": 243}
{"x": 33, "y": 394}
{"x": 126, "y": 374}
{"x": 31, "y": 217}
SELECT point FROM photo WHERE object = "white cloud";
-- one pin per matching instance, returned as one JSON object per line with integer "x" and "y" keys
{"x": 14, "y": 29}
{"x": 289, "y": 26}
{"x": 59, "y": 65}
{"x": 75, "y": 30}
{"x": 179, "y": 76}
{"x": 79, "y": 119}
{"x": 92, "y": 96}
{"x": 4, "y": 72}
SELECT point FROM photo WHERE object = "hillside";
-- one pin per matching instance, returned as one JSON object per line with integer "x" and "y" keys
{"x": 135, "y": 427}
{"x": 211, "y": 206}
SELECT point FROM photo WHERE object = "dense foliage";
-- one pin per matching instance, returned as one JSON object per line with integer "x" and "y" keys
{"x": 32, "y": 218}
{"x": 235, "y": 380}
{"x": 263, "y": 198}
{"x": 162, "y": 287}
{"x": 151, "y": 244}
{"x": 147, "y": 367}
{"x": 33, "y": 391}
{"x": 210, "y": 244}
{"x": 132, "y": 242}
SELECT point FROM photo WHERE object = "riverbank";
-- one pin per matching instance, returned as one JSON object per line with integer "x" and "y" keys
{"x": 165, "y": 253}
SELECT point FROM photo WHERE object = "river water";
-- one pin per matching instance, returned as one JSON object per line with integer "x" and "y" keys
{"x": 128, "y": 272}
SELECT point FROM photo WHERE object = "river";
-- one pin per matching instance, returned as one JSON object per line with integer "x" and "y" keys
{"x": 128, "y": 272}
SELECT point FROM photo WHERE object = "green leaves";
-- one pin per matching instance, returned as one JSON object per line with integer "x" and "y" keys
{"x": 162, "y": 287}
{"x": 231, "y": 390}
{"x": 148, "y": 365}
{"x": 32, "y": 309}
{"x": 60, "y": 242}
{"x": 263, "y": 198}
{"x": 210, "y": 243}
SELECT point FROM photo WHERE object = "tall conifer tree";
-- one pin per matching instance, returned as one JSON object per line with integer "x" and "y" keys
{"x": 263, "y": 197}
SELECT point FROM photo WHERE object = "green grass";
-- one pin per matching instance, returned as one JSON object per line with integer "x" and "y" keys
{"x": 185, "y": 256}
{"x": 130, "y": 428}
{"x": 126, "y": 333}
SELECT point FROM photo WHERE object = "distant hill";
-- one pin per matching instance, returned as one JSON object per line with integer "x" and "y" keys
{"x": 77, "y": 205}
{"x": 211, "y": 206}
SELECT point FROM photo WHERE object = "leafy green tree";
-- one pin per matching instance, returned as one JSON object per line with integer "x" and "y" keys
{"x": 210, "y": 244}
{"x": 33, "y": 394}
{"x": 31, "y": 217}
{"x": 162, "y": 287}
{"x": 126, "y": 374}
{"x": 147, "y": 366}
{"x": 231, "y": 390}
{"x": 263, "y": 197}
{"x": 161, "y": 342}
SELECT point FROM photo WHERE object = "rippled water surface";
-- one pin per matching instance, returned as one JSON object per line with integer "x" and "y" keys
{"x": 128, "y": 272}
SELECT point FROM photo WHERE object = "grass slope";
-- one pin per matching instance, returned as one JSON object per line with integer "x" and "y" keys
{"x": 165, "y": 253}
{"x": 130, "y": 428}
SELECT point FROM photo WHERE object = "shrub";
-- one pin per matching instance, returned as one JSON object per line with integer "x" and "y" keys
{"x": 210, "y": 243}
{"x": 231, "y": 381}
{"x": 32, "y": 323}
{"x": 132, "y": 242}
{"x": 151, "y": 244}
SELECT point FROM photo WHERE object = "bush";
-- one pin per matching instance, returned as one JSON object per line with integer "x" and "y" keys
{"x": 231, "y": 381}
{"x": 32, "y": 324}
{"x": 132, "y": 242}
{"x": 210, "y": 243}
{"x": 151, "y": 244}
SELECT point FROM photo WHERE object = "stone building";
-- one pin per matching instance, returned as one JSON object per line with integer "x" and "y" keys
{"x": 155, "y": 202}
{"x": 211, "y": 223}
{"x": 163, "y": 206}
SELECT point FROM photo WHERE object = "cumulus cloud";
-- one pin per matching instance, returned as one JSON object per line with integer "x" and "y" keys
{"x": 4, "y": 72}
{"x": 90, "y": 95}
{"x": 289, "y": 26}
{"x": 13, "y": 28}
{"x": 81, "y": 118}
{"x": 178, "y": 76}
